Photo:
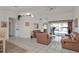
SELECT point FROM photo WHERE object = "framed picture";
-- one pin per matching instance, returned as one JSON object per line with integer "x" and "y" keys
{"x": 27, "y": 24}
{"x": 3, "y": 24}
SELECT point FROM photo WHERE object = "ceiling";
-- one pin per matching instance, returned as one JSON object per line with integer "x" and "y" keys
{"x": 38, "y": 11}
{"x": 56, "y": 9}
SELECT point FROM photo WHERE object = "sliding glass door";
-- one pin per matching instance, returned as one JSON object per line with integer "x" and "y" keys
{"x": 59, "y": 28}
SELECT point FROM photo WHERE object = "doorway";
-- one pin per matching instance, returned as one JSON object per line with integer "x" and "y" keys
{"x": 11, "y": 27}
{"x": 59, "y": 28}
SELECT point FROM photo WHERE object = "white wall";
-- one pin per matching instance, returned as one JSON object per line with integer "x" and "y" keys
{"x": 76, "y": 15}
{"x": 60, "y": 16}
{"x": 24, "y": 31}
{"x": 4, "y": 16}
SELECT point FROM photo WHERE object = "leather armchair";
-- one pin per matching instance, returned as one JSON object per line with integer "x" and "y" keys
{"x": 43, "y": 38}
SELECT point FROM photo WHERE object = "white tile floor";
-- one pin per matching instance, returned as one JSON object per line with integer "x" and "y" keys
{"x": 33, "y": 47}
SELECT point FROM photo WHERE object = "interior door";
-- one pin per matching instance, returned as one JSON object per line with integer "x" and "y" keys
{"x": 11, "y": 27}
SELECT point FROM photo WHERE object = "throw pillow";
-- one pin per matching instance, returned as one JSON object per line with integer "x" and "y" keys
{"x": 73, "y": 35}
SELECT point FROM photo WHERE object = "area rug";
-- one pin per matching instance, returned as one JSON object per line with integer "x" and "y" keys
{"x": 12, "y": 48}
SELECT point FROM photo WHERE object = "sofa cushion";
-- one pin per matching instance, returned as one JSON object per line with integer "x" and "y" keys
{"x": 70, "y": 41}
{"x": 76, "y": 37}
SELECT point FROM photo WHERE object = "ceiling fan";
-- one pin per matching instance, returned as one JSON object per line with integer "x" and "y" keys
{"x": 51, "y": 8}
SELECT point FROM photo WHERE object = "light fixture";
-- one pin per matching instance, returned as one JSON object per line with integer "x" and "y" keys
{"x": 28, "y": 14}
{"x": 51, "y": 9}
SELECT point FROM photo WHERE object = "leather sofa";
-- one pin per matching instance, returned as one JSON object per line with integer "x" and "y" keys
{"x": 71, "y": 42}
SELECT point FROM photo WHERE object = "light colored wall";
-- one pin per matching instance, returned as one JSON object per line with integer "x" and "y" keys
{"x": 4, "y": 16}
{"x": 76, "y": 15}
{"x": 60, "y": 16}
{"x": 24, "y": 31}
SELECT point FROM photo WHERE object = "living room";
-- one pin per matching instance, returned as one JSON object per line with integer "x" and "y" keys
{"x": 20, "y": 23}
